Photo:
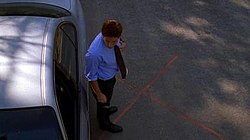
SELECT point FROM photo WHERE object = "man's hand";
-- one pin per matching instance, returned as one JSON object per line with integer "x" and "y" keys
{"x": 123, "y": 45}
{"x": 99, "y": 95}
{"x": 101, "y": 98}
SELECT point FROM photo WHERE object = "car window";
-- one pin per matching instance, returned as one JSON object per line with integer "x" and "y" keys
{"x": 65, "y": 51}
{"x": 65, "y": 73}
{"x": 32, "y": 9}
{"x": 30, "y": 123}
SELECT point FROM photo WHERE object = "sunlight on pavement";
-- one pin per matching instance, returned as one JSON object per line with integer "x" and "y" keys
{"x": 197, "y": 21}
{"x": 193, "y": 29}
{"x": 200, "y": 3}
{"x": 222, "y": 114}
{"x": 242, "y": 3}
{"x": 208, "y": 63}
{"x": 177, "y": 30}
{"x": 231, "y": 87}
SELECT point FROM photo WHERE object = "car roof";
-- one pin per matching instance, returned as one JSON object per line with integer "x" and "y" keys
{"x": 21, "y": 41}
{"x": 66, "y": 4}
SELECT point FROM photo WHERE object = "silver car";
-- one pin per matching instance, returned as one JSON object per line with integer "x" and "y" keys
{"x": 43, "y": 95}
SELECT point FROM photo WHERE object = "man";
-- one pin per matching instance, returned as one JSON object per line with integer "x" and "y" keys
{"x": 101, "y": 68}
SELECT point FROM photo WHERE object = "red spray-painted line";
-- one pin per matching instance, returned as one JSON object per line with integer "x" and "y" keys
{"x": 165, "y": 104}
{"x": 171, "y": 108}
{"x": 129, "y": 85}
{"x": 140, "y": 92}
{"x": 145, "y": 89}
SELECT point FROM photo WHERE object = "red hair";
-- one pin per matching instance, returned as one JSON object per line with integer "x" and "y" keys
{"x": 111, "y": 28}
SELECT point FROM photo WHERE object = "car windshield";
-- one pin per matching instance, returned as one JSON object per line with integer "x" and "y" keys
{"x": 29, "y": 124}
{"x": 32, "y": 9}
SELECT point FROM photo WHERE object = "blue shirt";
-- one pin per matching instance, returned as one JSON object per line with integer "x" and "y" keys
{"x": 100, "y": 60}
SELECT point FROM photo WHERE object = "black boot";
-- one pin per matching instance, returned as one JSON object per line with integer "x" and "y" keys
{"x": 112, "y": 110}
{"x": 105, "y": 123}
{"x": 109, "y": 126}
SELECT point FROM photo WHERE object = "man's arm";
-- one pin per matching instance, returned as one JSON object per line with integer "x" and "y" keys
{"x": 91, "y": 73}
{"x": 99, "y": 95}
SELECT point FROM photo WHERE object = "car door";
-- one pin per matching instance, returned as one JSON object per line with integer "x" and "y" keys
{"x": 66, "y": 79}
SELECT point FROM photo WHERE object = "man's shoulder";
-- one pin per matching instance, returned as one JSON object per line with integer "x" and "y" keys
{"x": 97, "y": 40}
{"x": 96, "y": 47}
{"x": 95, "y": 50}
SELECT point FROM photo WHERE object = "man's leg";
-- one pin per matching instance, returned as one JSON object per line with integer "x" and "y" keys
{"x": 103, "y": 109}
{"x": 107, "y": 88}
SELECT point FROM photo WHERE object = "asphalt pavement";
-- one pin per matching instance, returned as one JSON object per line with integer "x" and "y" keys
{"x": 189, "y": 69}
